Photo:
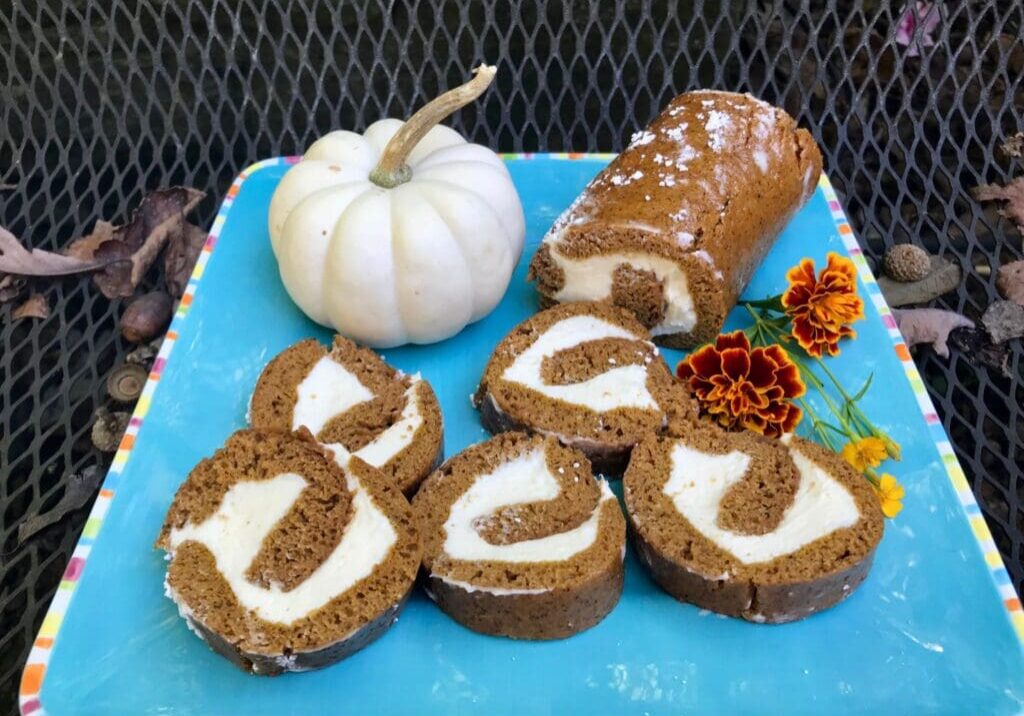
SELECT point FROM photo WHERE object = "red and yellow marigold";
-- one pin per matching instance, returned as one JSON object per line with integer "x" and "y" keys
{"x": 741, "y": 387}
{"x": 822, "y": 307}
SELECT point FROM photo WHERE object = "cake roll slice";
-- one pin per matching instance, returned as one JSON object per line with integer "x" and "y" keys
{"x": 674, "y": 227}
{"x": 354, "y": 403}
{"x": 520, "y": 539}
{"x": 743, "y": 525}
{"x": 283, "y": 560}
{"x": 588, "y": 374}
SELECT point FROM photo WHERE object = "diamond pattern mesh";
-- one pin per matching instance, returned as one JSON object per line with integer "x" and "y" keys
{"x": 102, "y": 102}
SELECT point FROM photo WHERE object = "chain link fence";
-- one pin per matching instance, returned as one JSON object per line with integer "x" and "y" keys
{"x": 101, "y": 103}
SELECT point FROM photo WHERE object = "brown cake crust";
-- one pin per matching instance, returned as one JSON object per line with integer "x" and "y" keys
{"x": 564, "y": 597}
{"x": 692, "y": 568}
{"x": 340, "y": 627}
{"x": 275, "y": 396}
{"x": 708, "y": 185}
{"x": 606, "y": 438}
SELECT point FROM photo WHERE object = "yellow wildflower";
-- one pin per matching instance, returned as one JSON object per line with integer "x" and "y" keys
{"x": 890, "y": 495}
{"x": 865, "y": 453}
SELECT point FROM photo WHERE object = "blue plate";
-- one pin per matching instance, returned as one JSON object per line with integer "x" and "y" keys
{"x": 928, "y": 631}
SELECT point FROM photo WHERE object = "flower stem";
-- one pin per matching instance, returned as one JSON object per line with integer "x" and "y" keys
{"x": 772, "y": 303}
{"x": 858, "y": 416}
{"x": 392, "y": 170}
{"x": 857, "y": 425}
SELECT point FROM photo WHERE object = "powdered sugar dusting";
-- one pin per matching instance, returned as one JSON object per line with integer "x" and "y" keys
{"x": 684, "y": 239}
{"x": 721, "y": 177}
{"x": 572, "y": 212}
{"x": 641, "y": 138}
{"x": 706, "y": 258}
{"x": 620, "y": 180}
{"x": 716, "y": 126}
{"x": 761, "y": 160}
{"x": 675, "y": 133}
{"x": 685, "y": 155}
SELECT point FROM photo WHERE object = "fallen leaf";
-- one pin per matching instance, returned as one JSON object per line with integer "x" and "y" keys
{"x": 1012, "y": 194}
{"x": 943, "y": 278}
{"x": 183, "y": 249}
{"x": 142, "y": 238}
{"x": 1014, "y": 146}
{"x": 1010, "y": 281}
{"x": 85, "y": 246}
{"x": 929, "y": 325}
{"x": 35, "y": 306}
{"x": 77, "y": 493}
{"x": 11, "y": 288}
{"x": 1004, "y": 320}
{"x": 979, "y": 348}
{"x": 16, "y": 259}
{"x": 916, "y": 27}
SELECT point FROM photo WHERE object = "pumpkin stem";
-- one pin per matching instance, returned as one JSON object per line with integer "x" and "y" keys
{"x": 392, "y": 170}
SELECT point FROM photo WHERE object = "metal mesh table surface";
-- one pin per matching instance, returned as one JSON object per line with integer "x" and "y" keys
{"x": 102, "y": 102}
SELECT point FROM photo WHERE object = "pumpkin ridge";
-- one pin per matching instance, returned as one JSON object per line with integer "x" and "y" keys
{"x": 450, "y": 185}
{"x": 419, "y": 200}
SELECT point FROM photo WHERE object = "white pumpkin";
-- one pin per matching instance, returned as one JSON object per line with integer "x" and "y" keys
{"x": 406, "y": 233}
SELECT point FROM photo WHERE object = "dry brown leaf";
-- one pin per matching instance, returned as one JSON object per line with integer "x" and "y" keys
{"x": 35, "y": 306}
{"x": 1014, "y": 146}
{"x": 1010, "y": 281}
{"x": 183, "y": 249}
{"x": 85, "y": 247}
{"x": 78, "y": 491}
{"x": 16, "y": 259}
{"x": 11, "y": 288}
{"x": 1012, "y": 194}
{"x": 140, "y": 240}
{"x": 929, "y": 325}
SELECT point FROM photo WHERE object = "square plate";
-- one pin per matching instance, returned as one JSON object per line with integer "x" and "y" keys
{"x": 935, "y": 628}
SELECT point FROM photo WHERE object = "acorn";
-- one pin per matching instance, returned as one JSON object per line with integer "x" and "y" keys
{"x": 125, "y": 382}
{"x": 906, "y": 263}
{"x": 147, "y": 317}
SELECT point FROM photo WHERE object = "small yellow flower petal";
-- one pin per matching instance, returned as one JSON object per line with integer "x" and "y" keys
{"x": 865, "y": 453}
{"x": 890, "y": 495}
{"x": 852, "y": 456}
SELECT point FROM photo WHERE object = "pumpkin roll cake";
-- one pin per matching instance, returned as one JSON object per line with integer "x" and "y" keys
{"x": 674, "y": 227}
{"x": 354, "y": 403}
{"x": 762, "y": 529}
{"x": 281, "y": 559}
{"x": 521, "y": 540}
{"x": 588, "y": 374}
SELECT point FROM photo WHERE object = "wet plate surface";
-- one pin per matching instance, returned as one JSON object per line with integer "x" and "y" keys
{"x": 932, "y": 629}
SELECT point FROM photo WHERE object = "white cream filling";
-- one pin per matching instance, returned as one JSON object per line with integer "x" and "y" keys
{"x": 496, "y": 591}
{"x": 523, "y": 479}
{"x": 590, "y": 279}
{"x": 619, "y": 387}
{"x": 698, "y": 482}
{"x": 329, "y": 390}
{"x": 249, "y": 512}
{"x": 396, "y": 438}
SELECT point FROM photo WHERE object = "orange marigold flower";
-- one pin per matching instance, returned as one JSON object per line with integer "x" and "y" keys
{"x": 822, "y": 307}
{"x": 740, "y": 387}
